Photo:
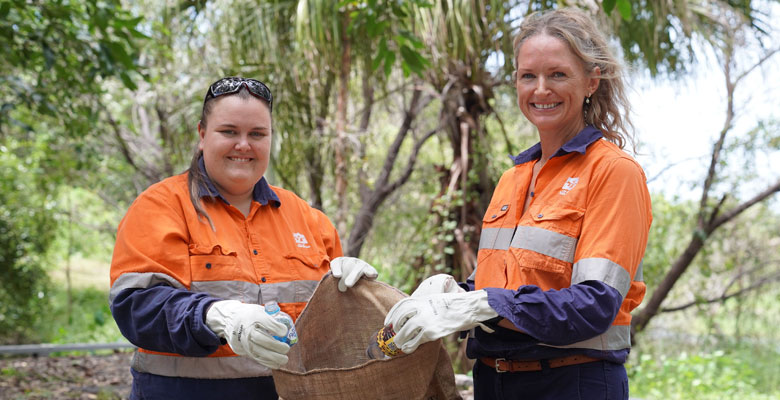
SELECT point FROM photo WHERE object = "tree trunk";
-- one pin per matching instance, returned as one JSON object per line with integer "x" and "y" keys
{"x": 383, "y": 187}
{"x": 640, "y": 320}
{"x": 341, "y": 150}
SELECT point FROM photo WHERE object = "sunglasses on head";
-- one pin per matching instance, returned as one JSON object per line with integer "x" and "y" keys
{"x": 233, "y": 84}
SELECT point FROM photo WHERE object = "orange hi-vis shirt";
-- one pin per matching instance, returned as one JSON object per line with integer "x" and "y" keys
{"x": 588, "y": 220}
{"x": 278, "y": 252}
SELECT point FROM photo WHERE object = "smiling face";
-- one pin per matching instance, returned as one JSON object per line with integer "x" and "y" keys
{"x": 552, "y": 85}
{"x": 236, "y": 145}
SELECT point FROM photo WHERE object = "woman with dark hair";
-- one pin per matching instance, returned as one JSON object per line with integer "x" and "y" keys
{"x": 559, "y": 267}
{"x": 199, "y": 254}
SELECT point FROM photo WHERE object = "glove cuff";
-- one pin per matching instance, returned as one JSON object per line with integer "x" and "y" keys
{"x": 478, "y": 303}
{"x": 217, "y": 316}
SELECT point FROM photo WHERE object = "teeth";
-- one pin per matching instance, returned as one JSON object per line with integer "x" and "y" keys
{"x": 240, "y": 159}
{"x": 544, "y": 106}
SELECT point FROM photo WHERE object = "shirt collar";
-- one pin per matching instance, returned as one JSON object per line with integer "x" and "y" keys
{"x": 262, "y": 192}
{"x": 578, "y": 143}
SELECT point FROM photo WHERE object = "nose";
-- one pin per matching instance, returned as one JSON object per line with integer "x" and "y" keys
{"x": 242, "y": 144}
{"x": 541, "y": 86}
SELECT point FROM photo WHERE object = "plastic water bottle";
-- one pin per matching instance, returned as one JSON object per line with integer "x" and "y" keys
{"x": 272, "y": 308}
{"x": 381, "y": 344}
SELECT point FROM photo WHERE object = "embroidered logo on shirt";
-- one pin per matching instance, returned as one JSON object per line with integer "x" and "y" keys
{"x": 569, "y": 185}
{"x": 300, "y": 240}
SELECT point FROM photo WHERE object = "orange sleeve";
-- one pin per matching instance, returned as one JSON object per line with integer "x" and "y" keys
{"x": 618, "y": 218}
{"x": 153, "y": 238}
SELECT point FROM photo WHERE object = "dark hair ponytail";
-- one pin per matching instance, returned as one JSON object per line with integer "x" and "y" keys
{"x": 196, "y": 179}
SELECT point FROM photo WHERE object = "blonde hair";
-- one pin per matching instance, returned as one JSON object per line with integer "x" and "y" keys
{"x": 579, "y": 32}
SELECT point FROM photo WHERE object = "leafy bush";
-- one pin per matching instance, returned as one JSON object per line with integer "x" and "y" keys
{"x": 90, "y": 320}
{"x": 26, "y": 231}
{"x": 741, "y": 372}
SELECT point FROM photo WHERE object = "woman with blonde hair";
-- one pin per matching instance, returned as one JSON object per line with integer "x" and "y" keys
{"x": 559, "y": 267}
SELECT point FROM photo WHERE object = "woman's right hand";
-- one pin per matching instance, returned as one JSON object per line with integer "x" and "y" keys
{"x": 248, "y": 329}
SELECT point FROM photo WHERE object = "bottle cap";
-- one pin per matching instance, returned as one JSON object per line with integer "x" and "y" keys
{"x": 271, "y": 307}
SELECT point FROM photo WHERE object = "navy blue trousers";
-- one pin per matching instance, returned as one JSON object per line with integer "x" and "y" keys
{"x": 602, "y": 380}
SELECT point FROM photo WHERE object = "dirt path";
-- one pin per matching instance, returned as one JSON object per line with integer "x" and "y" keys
{"x": 103, "y": 377}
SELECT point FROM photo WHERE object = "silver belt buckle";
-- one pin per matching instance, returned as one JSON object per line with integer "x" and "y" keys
{"x": 498, "y": 370}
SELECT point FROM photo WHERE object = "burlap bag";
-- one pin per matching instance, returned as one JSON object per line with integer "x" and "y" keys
{"x": 330, "y": 362}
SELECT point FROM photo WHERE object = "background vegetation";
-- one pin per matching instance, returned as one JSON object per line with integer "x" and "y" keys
{"x": 395, "y": 118}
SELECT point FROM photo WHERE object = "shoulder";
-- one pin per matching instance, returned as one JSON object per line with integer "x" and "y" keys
{"x": 292, "y": 203}
{"x": 166, "y": 190}
{"x": 162, "y": 201}
{"x": 607, "y": 156}
{"x": 287, "y": 197}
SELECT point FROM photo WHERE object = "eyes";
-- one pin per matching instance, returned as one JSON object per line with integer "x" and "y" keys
{"x": 554, "y": 75}
{"x": 254, "y": 133}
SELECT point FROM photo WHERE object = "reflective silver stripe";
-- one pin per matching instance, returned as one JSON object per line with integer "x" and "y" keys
{"x": 198, "y": 367}
{"x": 288, "y": 292}
{"x": 601, "y": 269}
{"x": 617, "y": 337}
{"x": 496, "y": 238}
{"x": 282, "y": 292}
{"x": 473, "y": 276}
{"x": 132, "y": 280}
{"x": 235, "y": 290}
{"x": 639, "y": 275}
{"x": 549, "y": 243}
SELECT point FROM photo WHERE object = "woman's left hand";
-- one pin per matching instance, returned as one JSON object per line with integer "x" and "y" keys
{"x": 349, "y": 270}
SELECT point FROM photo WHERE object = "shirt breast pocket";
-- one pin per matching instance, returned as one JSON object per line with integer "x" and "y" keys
{"x": 544, "y": 245}
{"x": 214, "y": 263}
{"x": 497, "y": 230}
{"x": 307, "y": 266}
{"x": 565, "y": 220}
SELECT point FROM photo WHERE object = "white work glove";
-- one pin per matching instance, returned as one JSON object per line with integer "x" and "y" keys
{"x": 248, "y": 330}
{"x": 349, "y": 270}
{"x": 418, "y": 320}
{"x": 440, "y": 283}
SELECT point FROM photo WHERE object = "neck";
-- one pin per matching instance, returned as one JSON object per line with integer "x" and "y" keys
{"x": 551, "y": 141}
{"x": 242, "y": 201}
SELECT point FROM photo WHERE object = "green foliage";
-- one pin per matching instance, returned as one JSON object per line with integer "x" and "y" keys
{"x": 26, "y": 231}
{"x": 672, "y": 224}
{"x": 56, "y": 58}
{"x": 385, "y": 22}
{"x": 731, "y": 372}
{"x": 88, "y": 320}
{"x": 623, "y": 6}
{"x": 86, "y": 227}
{"x": 56, "y": 51}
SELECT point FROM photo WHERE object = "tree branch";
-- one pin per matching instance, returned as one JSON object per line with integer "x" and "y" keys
{"x": 668, "y": 167}
{"x": 770, "y": 190}
{"x": 758, "y": 63}
{"x": 412, "y": 160}
{"x": 724, "y": 296}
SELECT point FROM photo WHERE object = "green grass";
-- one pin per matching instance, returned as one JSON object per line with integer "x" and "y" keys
{"x": 87, "y": 320}
{"x": 718, "y": 371}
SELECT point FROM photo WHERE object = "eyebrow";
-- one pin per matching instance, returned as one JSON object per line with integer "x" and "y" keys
{"x": 228, "y": 125}
{"x": 554, "y": 67}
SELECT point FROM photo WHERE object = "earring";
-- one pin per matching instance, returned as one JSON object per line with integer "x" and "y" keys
{"x": 585, "y": 109}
